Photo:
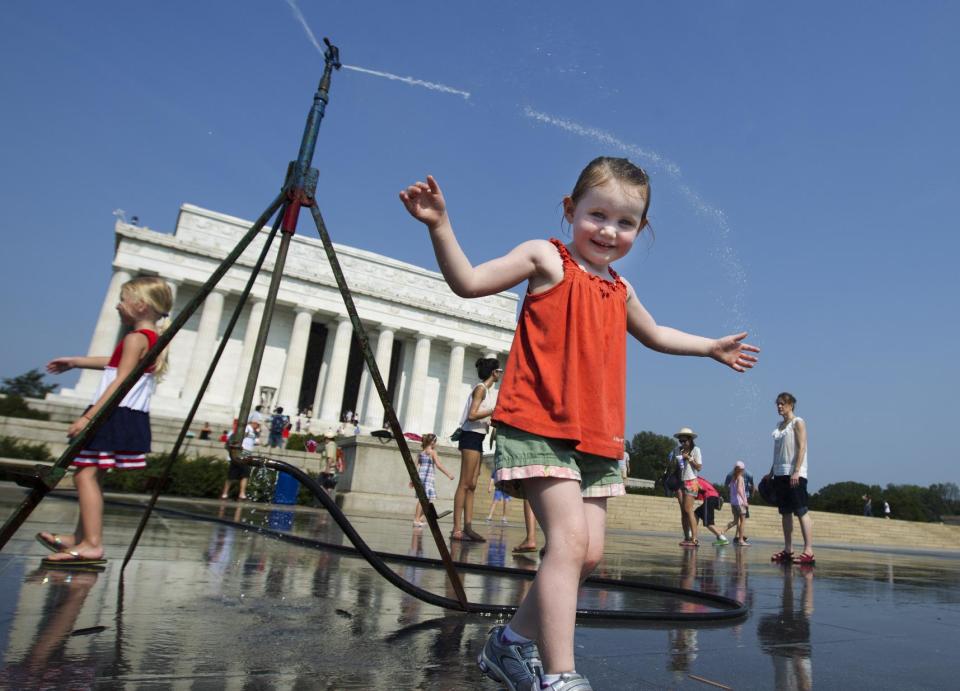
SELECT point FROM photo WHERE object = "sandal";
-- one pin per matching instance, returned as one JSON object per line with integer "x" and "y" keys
{"x": 459, "y": 536}
{"x": 76, "y": 559}
{"x": 690, "y": 543}
{"x": 804, "y": 558}
{"x": 520, "y": 549}
{"x": 54, "y": 545}
{"x": 473, "y": 534}
{"x": 782, "y": 556}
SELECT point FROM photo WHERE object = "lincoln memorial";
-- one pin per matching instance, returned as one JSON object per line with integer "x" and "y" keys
{"x": 425, "y": 338}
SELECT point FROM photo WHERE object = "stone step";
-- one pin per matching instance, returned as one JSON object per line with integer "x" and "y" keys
{"x": 662, "y": 514}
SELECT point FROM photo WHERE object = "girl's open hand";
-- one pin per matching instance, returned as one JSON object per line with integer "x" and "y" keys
{"x": 424, "y": 201}
{"x": 731, "y": 351}
{"x": 60, "y": 365}
{"x": 77, "y": 426}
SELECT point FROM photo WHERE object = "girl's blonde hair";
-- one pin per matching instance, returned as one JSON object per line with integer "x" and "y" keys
{"x": 428, "y": 440}
{"x": 156, "y": 294}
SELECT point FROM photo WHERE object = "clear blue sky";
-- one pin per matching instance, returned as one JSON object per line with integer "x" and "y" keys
{"x": 803, "y": 157}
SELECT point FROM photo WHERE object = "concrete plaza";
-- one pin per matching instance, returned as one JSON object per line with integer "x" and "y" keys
{"x": 209, "y": 605}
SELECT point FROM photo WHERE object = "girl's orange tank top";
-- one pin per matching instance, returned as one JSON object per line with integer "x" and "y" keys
{"x": 565, "y": 377}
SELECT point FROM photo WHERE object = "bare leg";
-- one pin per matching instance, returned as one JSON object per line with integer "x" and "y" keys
{"x": 469, "y": 494}
{"x": 806, "y": 529}
{"x": 530, "y": 523}
{"x": 548, "y": 612}
{"x": 684, "y": 523}
{"x": 733, "y": 522}
{"x": 689, "y": 514}
{"x": 243, "y": 488}
{"x": 469, "y": 467}
{"x": 226, "y": 490}
{"x": 90, "y": 497}
{"x": 595, "y": 509}
{"x": 787, "y": 520}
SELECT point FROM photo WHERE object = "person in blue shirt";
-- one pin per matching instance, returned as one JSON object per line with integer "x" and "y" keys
{"x": 278, "y": 421}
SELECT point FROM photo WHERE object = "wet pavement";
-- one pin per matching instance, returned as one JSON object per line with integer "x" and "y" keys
{"x": 207, "y": 605}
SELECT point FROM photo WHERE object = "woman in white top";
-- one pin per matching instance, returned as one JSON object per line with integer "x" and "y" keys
{"x": 687, "y": 457}
{"x": 474, "y": 425}
{"x": 789, "y": 473}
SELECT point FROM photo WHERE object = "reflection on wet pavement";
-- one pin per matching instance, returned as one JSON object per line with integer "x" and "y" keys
{"x": 206, "y": 605}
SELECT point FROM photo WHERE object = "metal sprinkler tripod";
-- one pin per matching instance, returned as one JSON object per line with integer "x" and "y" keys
{"x": 298, "y": 191}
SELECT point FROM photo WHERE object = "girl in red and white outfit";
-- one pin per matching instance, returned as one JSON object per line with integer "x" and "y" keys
{"x": 561, "y": 412}
{"x": 123, "y": 440}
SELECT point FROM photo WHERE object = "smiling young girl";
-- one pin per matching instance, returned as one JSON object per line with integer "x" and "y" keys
{"x": 560, "y": 415}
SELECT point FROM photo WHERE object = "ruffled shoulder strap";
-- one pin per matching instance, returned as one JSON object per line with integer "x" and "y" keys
{"x": 564, "y": 253}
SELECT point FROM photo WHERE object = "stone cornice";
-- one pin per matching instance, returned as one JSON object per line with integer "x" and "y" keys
{"x": 211, "y": 235}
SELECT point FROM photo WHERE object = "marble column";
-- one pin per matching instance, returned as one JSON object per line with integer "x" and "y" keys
{"x": 105, "y": 333}
{"x": 246, "y": 354}
{"x": 337, "y": 371}
{"x": 374, "y": 412}
{"x": 412, "y": 419}
{"x": 453, "y": 400}
{"x": 204, "y": 344}
{"x": 289, "y": 393}
{"x": 322, "y": 376}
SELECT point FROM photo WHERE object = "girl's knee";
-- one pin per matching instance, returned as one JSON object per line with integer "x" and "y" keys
{"x": 574, "y": 545}
{"x": 592, "y": 559}
{"x": 85, "y": 476}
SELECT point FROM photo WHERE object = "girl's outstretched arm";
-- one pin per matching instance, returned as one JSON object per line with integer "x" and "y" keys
{"x": 729, "y": 350}
{"x": 65, "y": 364}
{"x": 535, "y": 260}
{"x": 436, "y": 461}
{"x": 135, "y": 346}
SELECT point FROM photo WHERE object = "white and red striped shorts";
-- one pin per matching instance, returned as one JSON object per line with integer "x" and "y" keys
{"x": 120, "y": 460}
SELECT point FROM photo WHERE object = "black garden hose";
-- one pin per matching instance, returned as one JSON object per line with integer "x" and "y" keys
{"x": 726, "y": 608}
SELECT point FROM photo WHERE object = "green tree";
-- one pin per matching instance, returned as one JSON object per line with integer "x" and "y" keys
{"x": 907, "y": 502}
{"x": 949, "y": 493}
{"x": 27, "y": 385}
{"x": 845, "y": 497}
{"x": 648, "y": 454}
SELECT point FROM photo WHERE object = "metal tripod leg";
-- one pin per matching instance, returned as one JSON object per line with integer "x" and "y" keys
{"x": 175, "y": 452}
{"x": 45, "y": 482}
{"x": 391, "y": 415}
